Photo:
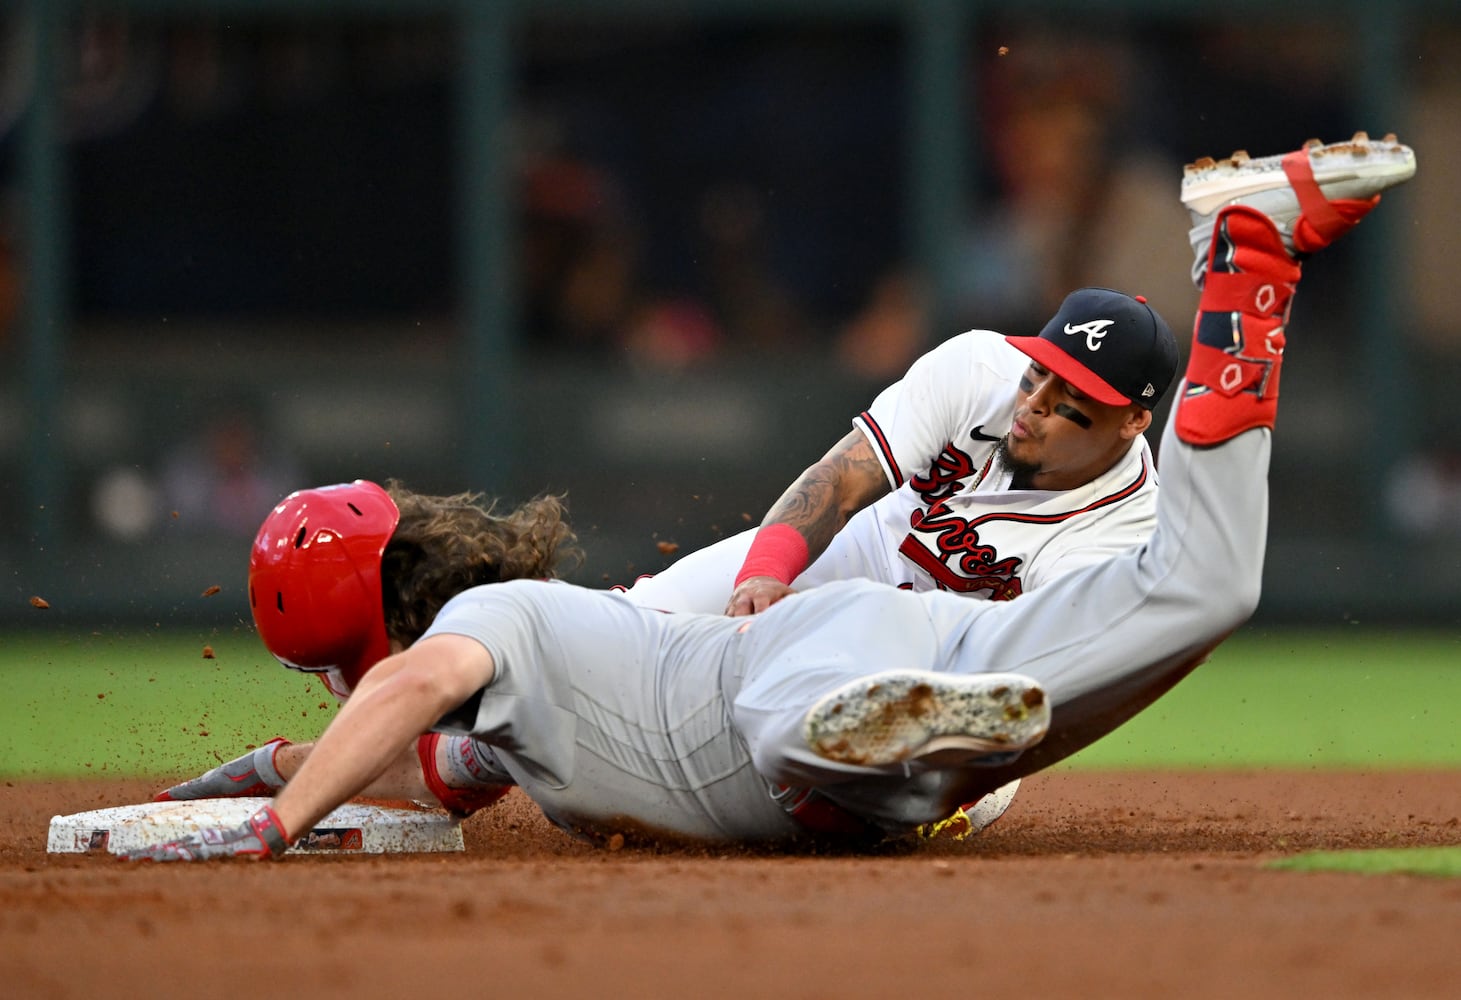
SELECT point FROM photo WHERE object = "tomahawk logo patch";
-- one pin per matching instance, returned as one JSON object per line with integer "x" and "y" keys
{"x": 1094, "y": 330}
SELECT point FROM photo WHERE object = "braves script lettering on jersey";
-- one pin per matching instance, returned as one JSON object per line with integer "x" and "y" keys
{"x": 954, "y": 523}
{"x": 951, "y": 522}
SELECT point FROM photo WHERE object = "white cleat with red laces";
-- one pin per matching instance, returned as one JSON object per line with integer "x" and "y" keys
{"x": 1312, "y": 195}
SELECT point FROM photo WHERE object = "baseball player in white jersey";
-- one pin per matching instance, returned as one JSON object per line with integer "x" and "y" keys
{"x": 992, "y": 483}
{"x": 853, "y": 709}
{"x": 1002, "y": 463}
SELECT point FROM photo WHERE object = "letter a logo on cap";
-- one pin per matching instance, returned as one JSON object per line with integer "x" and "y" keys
{"x": 1094, "y": 331}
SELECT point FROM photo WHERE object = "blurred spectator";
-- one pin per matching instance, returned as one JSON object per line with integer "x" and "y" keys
{"x": 1075, "y": 198}
{"x": 1069, "y": 197}
{"x": 760, "y": 188}
{"x": 114, "y": 73}
{"x": 583, "y": 285}
{"x": 579, "y": 257}
{"x": 671, "y": 334}
{"x": 754, "y": 308}
{"x": 1435, "y": 196}
{"x": 225, "y": 478}
{"x": 126, "y": 503}
{"x": 1302, "y": 75}
{"x": 220, "y": 481}
{"x": 1423, "y": 496}
{"x": 891, "y": 331}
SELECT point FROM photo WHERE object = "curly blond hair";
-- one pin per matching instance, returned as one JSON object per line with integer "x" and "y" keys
{"x": 445, "y": 544}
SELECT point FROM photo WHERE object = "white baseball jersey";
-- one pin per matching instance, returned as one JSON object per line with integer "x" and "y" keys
{"x": 951, "y": 522}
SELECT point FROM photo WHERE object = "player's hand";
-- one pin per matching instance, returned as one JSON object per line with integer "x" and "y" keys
{"x": 260, "y": 836}
{"x": 252, "y": 774}
{"x": 755, "y": 595}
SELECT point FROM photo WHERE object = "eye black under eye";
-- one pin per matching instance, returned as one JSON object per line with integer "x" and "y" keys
{"x": 1073, "y": 415}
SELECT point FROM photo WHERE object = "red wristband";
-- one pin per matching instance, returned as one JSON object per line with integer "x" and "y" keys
{"x": 777, "y": 551}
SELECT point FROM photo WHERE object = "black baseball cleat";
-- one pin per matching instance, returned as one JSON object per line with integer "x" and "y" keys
{"x": 940, "y": 719}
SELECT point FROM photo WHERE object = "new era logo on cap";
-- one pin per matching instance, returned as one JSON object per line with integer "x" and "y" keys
{"x": 1111, "y": 346}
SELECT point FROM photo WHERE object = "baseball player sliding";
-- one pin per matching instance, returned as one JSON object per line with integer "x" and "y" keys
{"x": 852, "y": 709}
{"x": 1000, "y": 464}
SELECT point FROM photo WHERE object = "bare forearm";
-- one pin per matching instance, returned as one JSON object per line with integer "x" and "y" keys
{"x": 401, "y": 698}
{"x": 372, "y": 733}
{"x": 824, "y": 498}
{"x": 810, "y": 506}
{"x": 815, "y": 507}
{"x": 401, "y": 779}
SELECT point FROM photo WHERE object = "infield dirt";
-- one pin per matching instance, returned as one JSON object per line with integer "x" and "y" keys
{"x": 1092, "y": 885}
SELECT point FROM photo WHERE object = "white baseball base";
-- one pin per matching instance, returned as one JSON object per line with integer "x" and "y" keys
{"x": 351, "y": 829}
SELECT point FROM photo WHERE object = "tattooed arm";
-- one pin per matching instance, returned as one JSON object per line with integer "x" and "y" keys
{"x": 800, "y": 525}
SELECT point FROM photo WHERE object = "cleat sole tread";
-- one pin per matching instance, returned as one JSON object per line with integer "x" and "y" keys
{"x": 910, "y": 714}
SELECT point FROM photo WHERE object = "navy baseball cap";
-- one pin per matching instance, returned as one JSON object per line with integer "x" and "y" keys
{"x": 1111, "y": 346}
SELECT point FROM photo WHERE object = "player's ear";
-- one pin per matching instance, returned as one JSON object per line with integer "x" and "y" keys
{"x": 1138, "y": 419}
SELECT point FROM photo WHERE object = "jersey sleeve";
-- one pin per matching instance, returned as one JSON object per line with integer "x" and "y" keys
{"x": 506, "y": 620}
{"x": 966, "y": 380}
{"x": 1086, "y": 551}
{"x": 539, "y": 633}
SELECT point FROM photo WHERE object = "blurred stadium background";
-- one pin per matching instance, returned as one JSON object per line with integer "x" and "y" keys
{"x": 656, "y": 255}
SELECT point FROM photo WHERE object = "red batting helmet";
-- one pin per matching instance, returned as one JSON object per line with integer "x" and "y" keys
{"x": 314, "y": 581}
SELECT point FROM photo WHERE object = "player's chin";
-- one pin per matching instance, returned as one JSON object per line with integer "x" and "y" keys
{"x": 1021, "y": 455}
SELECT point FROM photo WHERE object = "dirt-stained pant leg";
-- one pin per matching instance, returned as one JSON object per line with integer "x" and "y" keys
{"x": 1105, "y": 642}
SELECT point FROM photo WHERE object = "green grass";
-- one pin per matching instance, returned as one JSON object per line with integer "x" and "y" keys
{"x": 151, "y": 704}
{"x": 1298, "y": 699}
{"x": 1444, "y": 862}
{"x": 145, "y": 705}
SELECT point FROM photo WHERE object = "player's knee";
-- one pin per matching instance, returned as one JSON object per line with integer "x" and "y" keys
{"x": 768, "y": 758}
{"x": 1246, "y": 600}
{"x": 1232, "y": 605}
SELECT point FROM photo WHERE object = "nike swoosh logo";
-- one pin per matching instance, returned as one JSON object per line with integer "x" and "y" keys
{"x": 978, "y": 435}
